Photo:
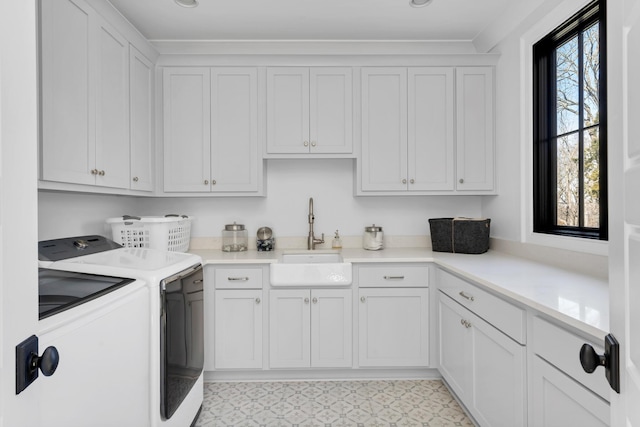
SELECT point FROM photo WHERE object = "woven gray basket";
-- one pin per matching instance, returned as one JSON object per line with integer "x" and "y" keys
{"x": 460, "y": 235}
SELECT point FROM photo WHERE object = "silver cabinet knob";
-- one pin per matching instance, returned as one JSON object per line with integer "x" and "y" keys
{"x": 206, "y": 182}
{"x": 135, "y": 179}
{"x": 314, "y": 300}
{"x": 306, "y": 143}
{"x": 213, "y": 182}
{"x": 94, "y": 171}
{"x": 404, "y": 181}
{"x": 257, "y": 300}
{"x": 461, "y": 180}
{"x": 363, "y": 299}
{"x": 313, "y": 143}
{"x": 101, "y": 173}
{"x": 306, "y": 300}
{"x": 412, "y": 181}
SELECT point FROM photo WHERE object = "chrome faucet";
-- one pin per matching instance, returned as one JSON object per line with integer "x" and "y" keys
{"x": 311, "y": 240}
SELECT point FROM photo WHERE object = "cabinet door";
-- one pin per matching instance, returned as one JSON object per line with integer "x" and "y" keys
{"x": 289, "y": 328}
{"x": 384, "y": 129}
{"x": 234, "y": 130}
{"x": 187, "y": 123}
{"x": 112, "y": 107}
{"x": 331, "y": 328}
{"x": 560, "y": 401}
{"x": 475, "y": 128}
{"x": 455, "y": 347}
{"x": 287, "y": 110}
{"x": 68, "y": 129}
{"x": 498, "y": 365}
{"x": 431, "y": 129}
{"x": 238, "y": 329}
{"x": 141, "y": 120}
{"x": 394, "y": 327}
{"x": 331, "y": 112}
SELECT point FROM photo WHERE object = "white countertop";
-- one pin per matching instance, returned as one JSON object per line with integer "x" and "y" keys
{"x": 578, "y": 300}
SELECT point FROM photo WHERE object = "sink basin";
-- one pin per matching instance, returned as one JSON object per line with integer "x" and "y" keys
{"x": 311, "y": 269}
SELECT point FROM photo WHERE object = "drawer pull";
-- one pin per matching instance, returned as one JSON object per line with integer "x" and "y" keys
{"x": 238, "y": 279}
{"x": 393, "y": 277}
{"x": 465, "y": 323}
{"x": 467, "y": 297}
{"x": 197, "y": 281}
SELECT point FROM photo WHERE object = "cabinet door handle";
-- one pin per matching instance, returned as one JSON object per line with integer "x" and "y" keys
{"x": 213, "y": 182}
{"x": 412, "y": 181}
{"x": 94, "y": 171}
{"x": 467, "y": 297}
{"x": 313, "y": 143}
{"x": 306, "y": 143}
{"x": 314, "y": 300}
{"x": 461, "y": 181}
{"x": 206, "y": 182}
{"x": 135, "y": 179}
{"x": 404, "y": 181}
{"x": 306, "y": 300}
{"x": 363, "y": 299}
{"x": 101, "y": 173}
{"x": 237, "y": 279}
{"x": 257, "y": 300}
{"x": 393, "y": 277}
{"x": 465, "y": 323}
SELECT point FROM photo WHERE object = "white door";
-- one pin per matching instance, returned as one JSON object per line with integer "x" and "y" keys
{"x": 289, "y": 328}
{"x": 141, "y": 115}
{"x": 331, "y": 329}
{"x": 235, "y": 163}
{"x": 623, "y": 43}
{"x": 18, "y": 202}
{"x": 384, "y": 129}
{"x": 330, "y": 109}
{"x": 187, "y": 128}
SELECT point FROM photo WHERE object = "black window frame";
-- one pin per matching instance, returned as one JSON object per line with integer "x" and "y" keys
{"x": 544, "y": 124}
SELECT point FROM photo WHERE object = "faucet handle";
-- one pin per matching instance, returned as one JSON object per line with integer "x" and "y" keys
{"x": 322, "y": 239}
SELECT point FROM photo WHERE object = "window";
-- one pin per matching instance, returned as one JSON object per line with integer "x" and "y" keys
{"x": 570, "y": 128}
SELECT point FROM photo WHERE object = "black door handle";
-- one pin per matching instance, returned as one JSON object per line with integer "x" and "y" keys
{"x": 590, "y": 360}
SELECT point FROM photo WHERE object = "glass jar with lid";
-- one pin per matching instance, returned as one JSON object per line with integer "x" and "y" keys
{"x": 234, "y": 238}
{"x": 372, "y": 238}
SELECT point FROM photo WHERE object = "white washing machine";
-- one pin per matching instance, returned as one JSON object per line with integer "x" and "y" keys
{"x": 175, "y": 316}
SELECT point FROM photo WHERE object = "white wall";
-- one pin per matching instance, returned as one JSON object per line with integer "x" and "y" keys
{"x": 290, "y": 183}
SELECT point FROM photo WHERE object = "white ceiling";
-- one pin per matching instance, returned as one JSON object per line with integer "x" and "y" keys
{"x": 215, "y": 20}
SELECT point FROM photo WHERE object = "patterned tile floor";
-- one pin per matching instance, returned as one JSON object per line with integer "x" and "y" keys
{"x": 331, "y": 403}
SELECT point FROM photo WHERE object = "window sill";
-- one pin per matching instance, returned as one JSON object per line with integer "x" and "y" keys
{"x": 576, "y": 244}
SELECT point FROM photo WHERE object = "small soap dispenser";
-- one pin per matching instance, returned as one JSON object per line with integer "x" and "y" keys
{"x": 337, "y": 241}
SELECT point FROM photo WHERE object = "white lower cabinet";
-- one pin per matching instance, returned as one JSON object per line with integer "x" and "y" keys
{"x": 559, "y": 401}
{"x": 238, "y": 329}
{"x": 483, "y": 366}
{"x": 310, "y": 328}
{"x": 393, "y": 327}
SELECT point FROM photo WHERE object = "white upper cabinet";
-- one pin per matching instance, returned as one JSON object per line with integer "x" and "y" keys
{"x": 211, "y": 130}
{"x": 309, "y": 110}
{"x": 410, "y": 141}
{"x": 86, "y": 97}
{"x": 475, "y": 128}
{"x": 187, "y": 127}
{"x": 141, "y": 115}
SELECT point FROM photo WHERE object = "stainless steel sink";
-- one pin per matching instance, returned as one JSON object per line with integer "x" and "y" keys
{"x": 311, "y": 269}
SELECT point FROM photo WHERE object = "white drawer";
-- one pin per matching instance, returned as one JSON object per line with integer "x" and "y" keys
{"x": 561, "y": 348}
{"x": 390, "y": 276}
{"x": 238, "y": 278}
{"x": 506, "y": 317}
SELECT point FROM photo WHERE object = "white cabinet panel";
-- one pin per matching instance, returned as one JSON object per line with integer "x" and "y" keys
{"x": 484, "y": 367}
{"x": 384, "y": 129}
{"x": 141, "y": 116}
{"x": 309, "y": 110}
{"x": 187, "y": 123}
{"x": 559, "y": 401}
{"x": 289, "y": 328}
{"x": 475, "y": 128}
{"x": 112, "y": 108}
{"x": 238, "y": 329}
{"x": 235, "y": 163}
{"x": 331, "y": 328}
{"x": 394, "y": 327}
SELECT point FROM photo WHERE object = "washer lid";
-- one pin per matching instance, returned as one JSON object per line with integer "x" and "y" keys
{"x": 71, "y": 247}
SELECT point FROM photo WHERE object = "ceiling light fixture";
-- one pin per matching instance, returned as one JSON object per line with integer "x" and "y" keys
{"x": 418, "y": 3}
{"x": 188, "y": 3}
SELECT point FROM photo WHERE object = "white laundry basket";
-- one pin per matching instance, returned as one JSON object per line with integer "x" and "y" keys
{"x": 168, "y": 233}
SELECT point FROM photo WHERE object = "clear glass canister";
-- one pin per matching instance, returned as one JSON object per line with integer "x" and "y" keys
{"x": 372, "y": 238}
{"x": 234, "y": 238}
